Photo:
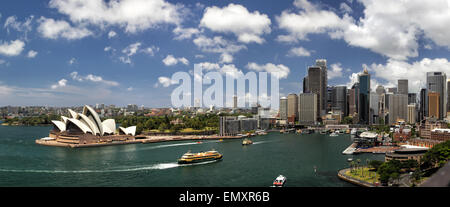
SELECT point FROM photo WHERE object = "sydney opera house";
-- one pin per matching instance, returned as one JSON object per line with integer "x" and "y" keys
{"x": 87, "y": 128}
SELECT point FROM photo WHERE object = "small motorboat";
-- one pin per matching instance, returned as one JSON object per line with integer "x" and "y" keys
{"x": 199, "y": 142}
{"x": 333, "y": 134}
{"x": 247, "y": 141}
{"x": 349, "y": 159}
{"x": 279, "y": 181}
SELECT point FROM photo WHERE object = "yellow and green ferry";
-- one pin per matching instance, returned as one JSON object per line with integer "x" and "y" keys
{"x": 189, "y": 158}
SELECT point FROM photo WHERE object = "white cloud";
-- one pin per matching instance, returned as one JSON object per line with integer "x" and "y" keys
{"x": 218, "y": 44}
{"x": 236, "y": 19}
{"x": 111, "y": 34}
{"x": 150, "y": 50}
{"x": 129, "y": 51}
{"x": 280, "y": 70}
{"x": 165, "y": 81}
{"x": 335, "y": 72}
{"x": 72, "y": 61}
{"x": 92, "y": 78}
{"x": 11, "y": 22}
{"x": 345, "y": 8}
{"x": 299, "y": 51}
{"x": 132, "y": 15}
{"x": 224, "y": 69}
{"x": 61, "y": 83}
{"x": 171, "y": 60}
{"x": 389, "y": 28}
{"x": 226, "y": 58}
{"x": 130, "y": 89}
{"x": 415, "y": 72}
{"x": 185, "y": 33}
{"x": 13, "y": 48}
{"x": 54, "y": 29}
{"x": 32, "y": 54}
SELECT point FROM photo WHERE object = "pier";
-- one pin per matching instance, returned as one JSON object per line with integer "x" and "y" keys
{"x": 350, "y": 149}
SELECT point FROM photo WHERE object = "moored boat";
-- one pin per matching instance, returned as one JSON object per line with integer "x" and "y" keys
{"x": 189, "y": 157}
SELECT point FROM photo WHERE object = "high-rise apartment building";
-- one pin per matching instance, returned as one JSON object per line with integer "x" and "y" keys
{"x": 322, "y": 63}
{"x": 315, "y": 85}
{"x": 412, "y": 113}
{"x": 398, "y": 106}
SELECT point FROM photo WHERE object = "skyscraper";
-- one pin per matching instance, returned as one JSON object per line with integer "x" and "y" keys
{"x": 364, "y": 97}
{"x": 433, "y": 104}
{"x": 436, "y": 82}
{"x": 412, "y": 113}
{"x": 422, "y": 105}
{"x": 339, "y": 99}
{"x": 322, "y": 63}
{"x": 307, "y": 108}
{"x": 292, "y": 110}
{"x": 315, "y": 85}
{"x": 235, "y": 102}
{"x": 305, "y": 85}
{"x": 412, "y": 98}
{"x": 398, "y": 107}
{"x": 283, "y": 108}
{"x": 402, "y": 86}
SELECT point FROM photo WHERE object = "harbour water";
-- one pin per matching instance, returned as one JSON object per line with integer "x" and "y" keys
{"x": 24, "y": 163}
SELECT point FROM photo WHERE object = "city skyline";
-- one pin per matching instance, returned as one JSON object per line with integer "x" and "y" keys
{"x": 51, "y": 55}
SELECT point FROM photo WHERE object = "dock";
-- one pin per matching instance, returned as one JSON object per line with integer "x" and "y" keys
{"x": 350, "y": 149}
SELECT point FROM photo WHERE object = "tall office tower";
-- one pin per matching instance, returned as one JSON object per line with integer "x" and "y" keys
{"x": 398, "y": 108}
{"x": 292, "y": 112}
{"x": 380, "y": 90}
{"x": 339, "y": 99}
{"x": 283, "y": 108}
{"x": 374, "y": 108}
{"x": 329, "y": 98}
{"x": 305, "y": 85}
{"x": 315, "y": 85}
{"x": 423, "y": 109}
{"x": 411, "y": 113}
{"x": 433, "y": 104}
{"x": 392, "y": 90}
{"x": 322, "y": 63}
{"x": 448, "y": 95}
{"x": 307, "y": 108}
{"x": 402, "y": 86}
{"x": 352, "y": 101}
{"x": 436, "y": 82}
{"x": 412, "y": 98}
{"x": 364, "y": 97}
{"x": 234, "y": 102}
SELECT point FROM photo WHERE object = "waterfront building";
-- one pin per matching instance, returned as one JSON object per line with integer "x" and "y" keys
{"x": 339, "y": 99}
{"x": 433, "y": 104}
{"x": 248, "y": 124}
{"x": 364, "y": 97}
{"x": 330, "y": 101}
{"x": 411, "y": 114}
{"x": 87, "y": 128}
{"x": 307, "y": 108}
{"x": 322, "y": 63}
{"x": 423, "y": 142}
{"x": 402, "y": 86}
{"x": 283, "y": 108}
{"x": 398, "y": 106}
{"x": 404, "y": 154}
{"x": 436, "y": 82}
{"x": 228, "y": 126}
{"x": 292, "y": 112}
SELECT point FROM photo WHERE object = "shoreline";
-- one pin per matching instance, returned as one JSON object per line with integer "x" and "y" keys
{"x": 148, "y": 139}
{"x": 342, "y": 176}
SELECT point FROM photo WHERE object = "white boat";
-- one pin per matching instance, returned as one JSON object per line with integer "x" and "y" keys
{"x": 333, "y": 134}
{"x": 353, "y": 132}
{"x": 279, "y": 181}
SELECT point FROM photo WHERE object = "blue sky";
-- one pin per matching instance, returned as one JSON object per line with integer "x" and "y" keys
{"x": 74, "y": 52}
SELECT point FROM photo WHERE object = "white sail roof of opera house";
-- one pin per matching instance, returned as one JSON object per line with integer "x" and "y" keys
{"x": 89, "y": 122}
{"x": 129, "y": 130}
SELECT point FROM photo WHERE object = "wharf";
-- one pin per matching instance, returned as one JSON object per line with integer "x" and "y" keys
{"x": 350, "y": 149}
